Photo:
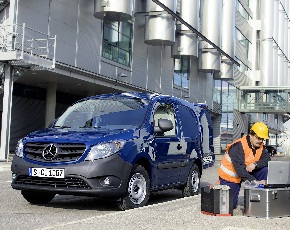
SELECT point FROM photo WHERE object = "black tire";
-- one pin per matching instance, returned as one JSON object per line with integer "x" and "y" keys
{"x": 192, "y": 185}
{"x": 138, "y": 190}
{"x": 37, "y": 197}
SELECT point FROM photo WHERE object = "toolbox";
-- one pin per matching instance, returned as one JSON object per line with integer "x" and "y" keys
{"x": 217, "y": 200}
{"x": 267, "y": 202}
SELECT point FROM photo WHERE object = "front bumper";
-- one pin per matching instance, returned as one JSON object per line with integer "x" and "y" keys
{"x": 86, "y": 178}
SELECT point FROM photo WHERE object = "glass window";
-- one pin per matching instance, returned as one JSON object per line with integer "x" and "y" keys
{"x": 181, "y": 72}
{"x": 117, "y": 45}
{"x": 165, "y": 111}
{"x": 242, "y": 10}
{"x": 265, "y": 117}
{"x": 242, "y": 39}
{"x": 104, "y": 114}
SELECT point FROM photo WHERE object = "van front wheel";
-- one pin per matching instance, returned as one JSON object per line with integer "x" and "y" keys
{"x": 138, "y": 190}
{"x": 192, "y": 185}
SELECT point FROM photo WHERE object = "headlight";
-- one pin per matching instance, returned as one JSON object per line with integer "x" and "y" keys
{"x": 19, "y": 149}
{"x": 104, "y": 150}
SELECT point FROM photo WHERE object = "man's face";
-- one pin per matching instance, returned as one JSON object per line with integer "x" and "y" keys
{"x": 256, "y": 141}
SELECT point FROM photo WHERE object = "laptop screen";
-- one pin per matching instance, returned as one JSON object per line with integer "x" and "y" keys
{"x": 278, "y": 174}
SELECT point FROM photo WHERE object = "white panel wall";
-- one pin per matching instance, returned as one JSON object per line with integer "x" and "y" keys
{"x": 34, "y": 13}
{"x": 89, "y": 38}
{"x": 78, "y": 31}
{"x": 154, "y": 68}
{"x": 216, "y": 122}
{"x": 240, "y": 124}
{"x": 79, "y": 41}
{"x": 139, "y": 65}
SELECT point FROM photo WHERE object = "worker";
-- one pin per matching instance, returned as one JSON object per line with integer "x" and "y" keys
{"x": 246, "y": 159}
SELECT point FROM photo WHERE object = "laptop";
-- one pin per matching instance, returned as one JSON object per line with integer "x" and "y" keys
{"x": 278, "y": 174}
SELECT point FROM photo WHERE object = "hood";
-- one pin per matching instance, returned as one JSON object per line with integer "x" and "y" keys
{"x": 87, "y": 136}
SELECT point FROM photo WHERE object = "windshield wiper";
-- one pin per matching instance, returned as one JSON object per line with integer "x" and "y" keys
{"x": 61, "y": 127}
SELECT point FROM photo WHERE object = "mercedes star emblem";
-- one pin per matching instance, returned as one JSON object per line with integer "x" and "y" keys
{"x": 50, "y": 152}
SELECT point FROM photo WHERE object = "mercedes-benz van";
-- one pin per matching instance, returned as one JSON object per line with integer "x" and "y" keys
{"x": 122, "y": 146}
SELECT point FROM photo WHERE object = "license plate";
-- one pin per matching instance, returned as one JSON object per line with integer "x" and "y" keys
{"x": 44, "y": 172}
{"x": 207, "y": 159}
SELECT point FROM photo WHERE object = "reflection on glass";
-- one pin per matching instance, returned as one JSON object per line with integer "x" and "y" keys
{"x": 117, "y": 44}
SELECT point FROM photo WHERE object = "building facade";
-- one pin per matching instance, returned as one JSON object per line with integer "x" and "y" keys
{"x": 225, "y": 53}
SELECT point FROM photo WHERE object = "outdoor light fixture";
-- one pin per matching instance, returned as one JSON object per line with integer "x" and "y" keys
{"x": 122, "y": 75}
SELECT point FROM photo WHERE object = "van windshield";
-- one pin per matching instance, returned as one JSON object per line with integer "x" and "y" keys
{"x": 104, "y": 113}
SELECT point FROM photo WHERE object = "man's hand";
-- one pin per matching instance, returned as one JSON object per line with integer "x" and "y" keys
{"x": 257, "y": 182}
{"x": 251, "y": 167}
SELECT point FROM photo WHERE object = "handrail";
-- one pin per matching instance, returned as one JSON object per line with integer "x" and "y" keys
{"x": 12, "y": 39}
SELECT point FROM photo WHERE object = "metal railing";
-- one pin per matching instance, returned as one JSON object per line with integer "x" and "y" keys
{"x": 27, "y": 41}
{"x": 268, "y": 100}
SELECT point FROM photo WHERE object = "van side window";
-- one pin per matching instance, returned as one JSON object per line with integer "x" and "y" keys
{"x": 189, "y": 122}
{"x": 166, "y": 112}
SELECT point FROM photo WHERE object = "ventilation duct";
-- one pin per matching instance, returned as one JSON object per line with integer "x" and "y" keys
{"x": 209, "y": 58}
{"x": 159, "y": 25}
{"x": 185, "y": 44}
{"x": 267, "y": 51}
{"x": 113, "y": 10}
{"x": 275, "y": 36}
{"x": 228, "y": 39}
{"x": 281, "y": 36}
{"x": 141, "y": 6}
{"x": 186, "y": 40}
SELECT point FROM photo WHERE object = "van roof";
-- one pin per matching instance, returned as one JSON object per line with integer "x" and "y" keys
{"x": 146, "y": 96}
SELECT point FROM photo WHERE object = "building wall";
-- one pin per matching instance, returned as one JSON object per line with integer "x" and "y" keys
{"x": 78, "y": 32}
{"x": 240, "y": 125}
{"x": 27, "y": 115}
{"x": 79, "y": 39}
{"x": 79, "y": 44}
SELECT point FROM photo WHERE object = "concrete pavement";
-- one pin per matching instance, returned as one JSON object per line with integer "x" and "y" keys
{"x": 6, "y": 165}
{"x": 183, "y": 213}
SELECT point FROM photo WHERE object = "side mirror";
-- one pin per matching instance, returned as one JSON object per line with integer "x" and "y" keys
{"x": 164, "y": 125}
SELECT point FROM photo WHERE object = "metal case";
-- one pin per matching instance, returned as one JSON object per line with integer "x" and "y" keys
{"x": 267, "y": 202}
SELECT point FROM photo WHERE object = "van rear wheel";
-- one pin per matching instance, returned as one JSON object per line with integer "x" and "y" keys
{"x": 37, "y": 197}
{"x": 138, "y": 190}
{"x": 192, "y": 185}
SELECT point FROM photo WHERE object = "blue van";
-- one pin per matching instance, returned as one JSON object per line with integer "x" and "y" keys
{"x": 123, "y": 146}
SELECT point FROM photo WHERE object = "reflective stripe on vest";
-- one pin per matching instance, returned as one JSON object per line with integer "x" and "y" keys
{"x": 228, "y": 171}
{"x": 227, "y": 156}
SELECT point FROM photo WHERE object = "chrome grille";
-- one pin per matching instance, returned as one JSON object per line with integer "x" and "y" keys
{"x": 71, "y": 183}
{"x": 66, "y": 152}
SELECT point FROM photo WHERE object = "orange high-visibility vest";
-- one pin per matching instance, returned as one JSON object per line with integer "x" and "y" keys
{"x": 227, "y": 171}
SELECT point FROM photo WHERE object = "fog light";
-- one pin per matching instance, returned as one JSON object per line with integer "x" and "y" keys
{"x": 107, "y": 181}
{"x": 110, "y": 181}
{"x": 13, "y": 176}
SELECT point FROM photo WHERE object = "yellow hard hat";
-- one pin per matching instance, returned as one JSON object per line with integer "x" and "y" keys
{"x": 261, "y": 130}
